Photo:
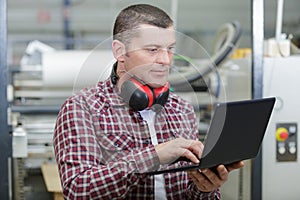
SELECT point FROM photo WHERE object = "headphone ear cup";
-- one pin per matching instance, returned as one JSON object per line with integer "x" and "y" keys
{"x": 137, "y": 95}
{"x": 161, "y": 94}
{"x": 114, "y": 76}
{"x": 114, "y": 79}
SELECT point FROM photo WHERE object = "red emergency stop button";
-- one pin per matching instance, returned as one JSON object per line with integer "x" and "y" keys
{"x": 282, "y": 134}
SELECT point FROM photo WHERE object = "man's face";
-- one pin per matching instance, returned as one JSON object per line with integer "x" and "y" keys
{"x": 150, "y": 55}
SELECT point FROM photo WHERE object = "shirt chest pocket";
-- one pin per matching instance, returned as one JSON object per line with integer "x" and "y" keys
{"x": 116, "y": 141}
{"x": 115, "y": 146}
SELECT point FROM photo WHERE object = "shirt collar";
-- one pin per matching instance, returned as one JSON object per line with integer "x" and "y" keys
{"x": 113, "y": 94}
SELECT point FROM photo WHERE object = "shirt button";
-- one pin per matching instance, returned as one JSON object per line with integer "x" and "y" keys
{"x": 116, "y": 144}
{"x": 147, "y": 141}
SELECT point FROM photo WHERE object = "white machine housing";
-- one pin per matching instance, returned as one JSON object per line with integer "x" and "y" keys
{"x": 280, "y": 159}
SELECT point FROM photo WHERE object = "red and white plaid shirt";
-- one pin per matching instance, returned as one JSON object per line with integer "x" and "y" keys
{"x": 103, "y": 148}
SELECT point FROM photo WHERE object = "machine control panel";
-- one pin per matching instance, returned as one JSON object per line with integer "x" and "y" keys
{"x": 286, "y": 142}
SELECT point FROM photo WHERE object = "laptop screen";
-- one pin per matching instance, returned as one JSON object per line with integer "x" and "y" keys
{"x": 235, "y": 133}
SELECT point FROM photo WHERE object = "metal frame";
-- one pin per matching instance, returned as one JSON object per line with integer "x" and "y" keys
{"x": 67, "y": 30}
{"x": 5, "y": 137}
{"x": 257, "y": 39}
{"x": 257, "y": 31}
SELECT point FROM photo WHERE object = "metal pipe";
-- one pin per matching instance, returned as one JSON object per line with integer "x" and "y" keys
{"x": 257, "y": 40}
{"x": 67, "y": 31}
{"x": 174, "y": 12}
{"x": 280, "y": 4}
{"x": 5, "y": 138}
{"x": 47, "y": 109}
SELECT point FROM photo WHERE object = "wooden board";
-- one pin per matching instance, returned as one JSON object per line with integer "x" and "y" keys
{"x": 51, "y": 178}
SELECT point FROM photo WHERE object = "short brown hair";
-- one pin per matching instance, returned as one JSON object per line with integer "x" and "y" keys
{"x": 131, "y": 17}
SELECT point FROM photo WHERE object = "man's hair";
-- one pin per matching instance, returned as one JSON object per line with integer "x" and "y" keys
{"x": 133, "y": 16}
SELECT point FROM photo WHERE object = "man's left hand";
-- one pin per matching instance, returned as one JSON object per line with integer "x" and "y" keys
{"x": 208, "y": 180}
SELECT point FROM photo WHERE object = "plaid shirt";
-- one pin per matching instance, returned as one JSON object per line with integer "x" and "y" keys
{"x": 103, "y": 148}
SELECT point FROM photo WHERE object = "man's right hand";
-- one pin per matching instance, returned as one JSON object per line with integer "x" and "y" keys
{"x": 170, "y": 151}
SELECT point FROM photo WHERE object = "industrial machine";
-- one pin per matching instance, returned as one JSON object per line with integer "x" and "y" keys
{"x": 280, "y": 157}
{"x": 280, "y": 160}
{"x": 36, "y": 89}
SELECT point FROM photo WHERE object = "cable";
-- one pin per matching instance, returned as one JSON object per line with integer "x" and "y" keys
{"x": 227, "y": 38}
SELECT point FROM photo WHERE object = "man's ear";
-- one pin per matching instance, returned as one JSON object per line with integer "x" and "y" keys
{"x": 118, "y": 49}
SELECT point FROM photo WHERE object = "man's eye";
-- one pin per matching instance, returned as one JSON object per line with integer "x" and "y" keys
{"x": 171, "y": 49}
{"x": 153, "y": 50}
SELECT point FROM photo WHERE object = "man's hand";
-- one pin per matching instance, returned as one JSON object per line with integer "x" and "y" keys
{"x": 208, "y": 180}
{"x": 170, "y": 151}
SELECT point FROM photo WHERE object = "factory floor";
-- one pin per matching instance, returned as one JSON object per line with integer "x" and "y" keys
{"x": 35, "y": 188}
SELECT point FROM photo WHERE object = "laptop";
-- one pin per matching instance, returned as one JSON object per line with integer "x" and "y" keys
{"x": 236, "y": 132}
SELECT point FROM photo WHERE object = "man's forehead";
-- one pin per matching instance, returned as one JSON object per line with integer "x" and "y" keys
{"x": 152, "y": 35}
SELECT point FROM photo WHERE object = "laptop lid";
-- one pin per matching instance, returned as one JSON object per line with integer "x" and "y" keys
{"x": 235, "y": 133}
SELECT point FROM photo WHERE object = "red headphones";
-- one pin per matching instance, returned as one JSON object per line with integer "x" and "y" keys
{"x": 140, "y": 96}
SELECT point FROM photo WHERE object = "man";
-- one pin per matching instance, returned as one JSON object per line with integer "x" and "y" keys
{"x": 108, "y": 137}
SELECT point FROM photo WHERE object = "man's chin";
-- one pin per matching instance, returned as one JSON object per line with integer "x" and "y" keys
{"x": 157, "y": 85}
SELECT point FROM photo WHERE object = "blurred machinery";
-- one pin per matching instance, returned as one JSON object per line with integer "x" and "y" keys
{"x": 280, "y": 158}
{"x": 280, "y": 149}
{"x": 36, "y": 89}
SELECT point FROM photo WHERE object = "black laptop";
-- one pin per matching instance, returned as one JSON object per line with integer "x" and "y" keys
{"x": 235, "y": 133}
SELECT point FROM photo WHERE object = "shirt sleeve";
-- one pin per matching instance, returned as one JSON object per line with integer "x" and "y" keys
{"x": 197, "y": 194}
{"x": 78, "y": 155}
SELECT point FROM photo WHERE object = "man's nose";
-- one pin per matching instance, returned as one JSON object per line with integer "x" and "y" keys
{"x": 164, "y": 57}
